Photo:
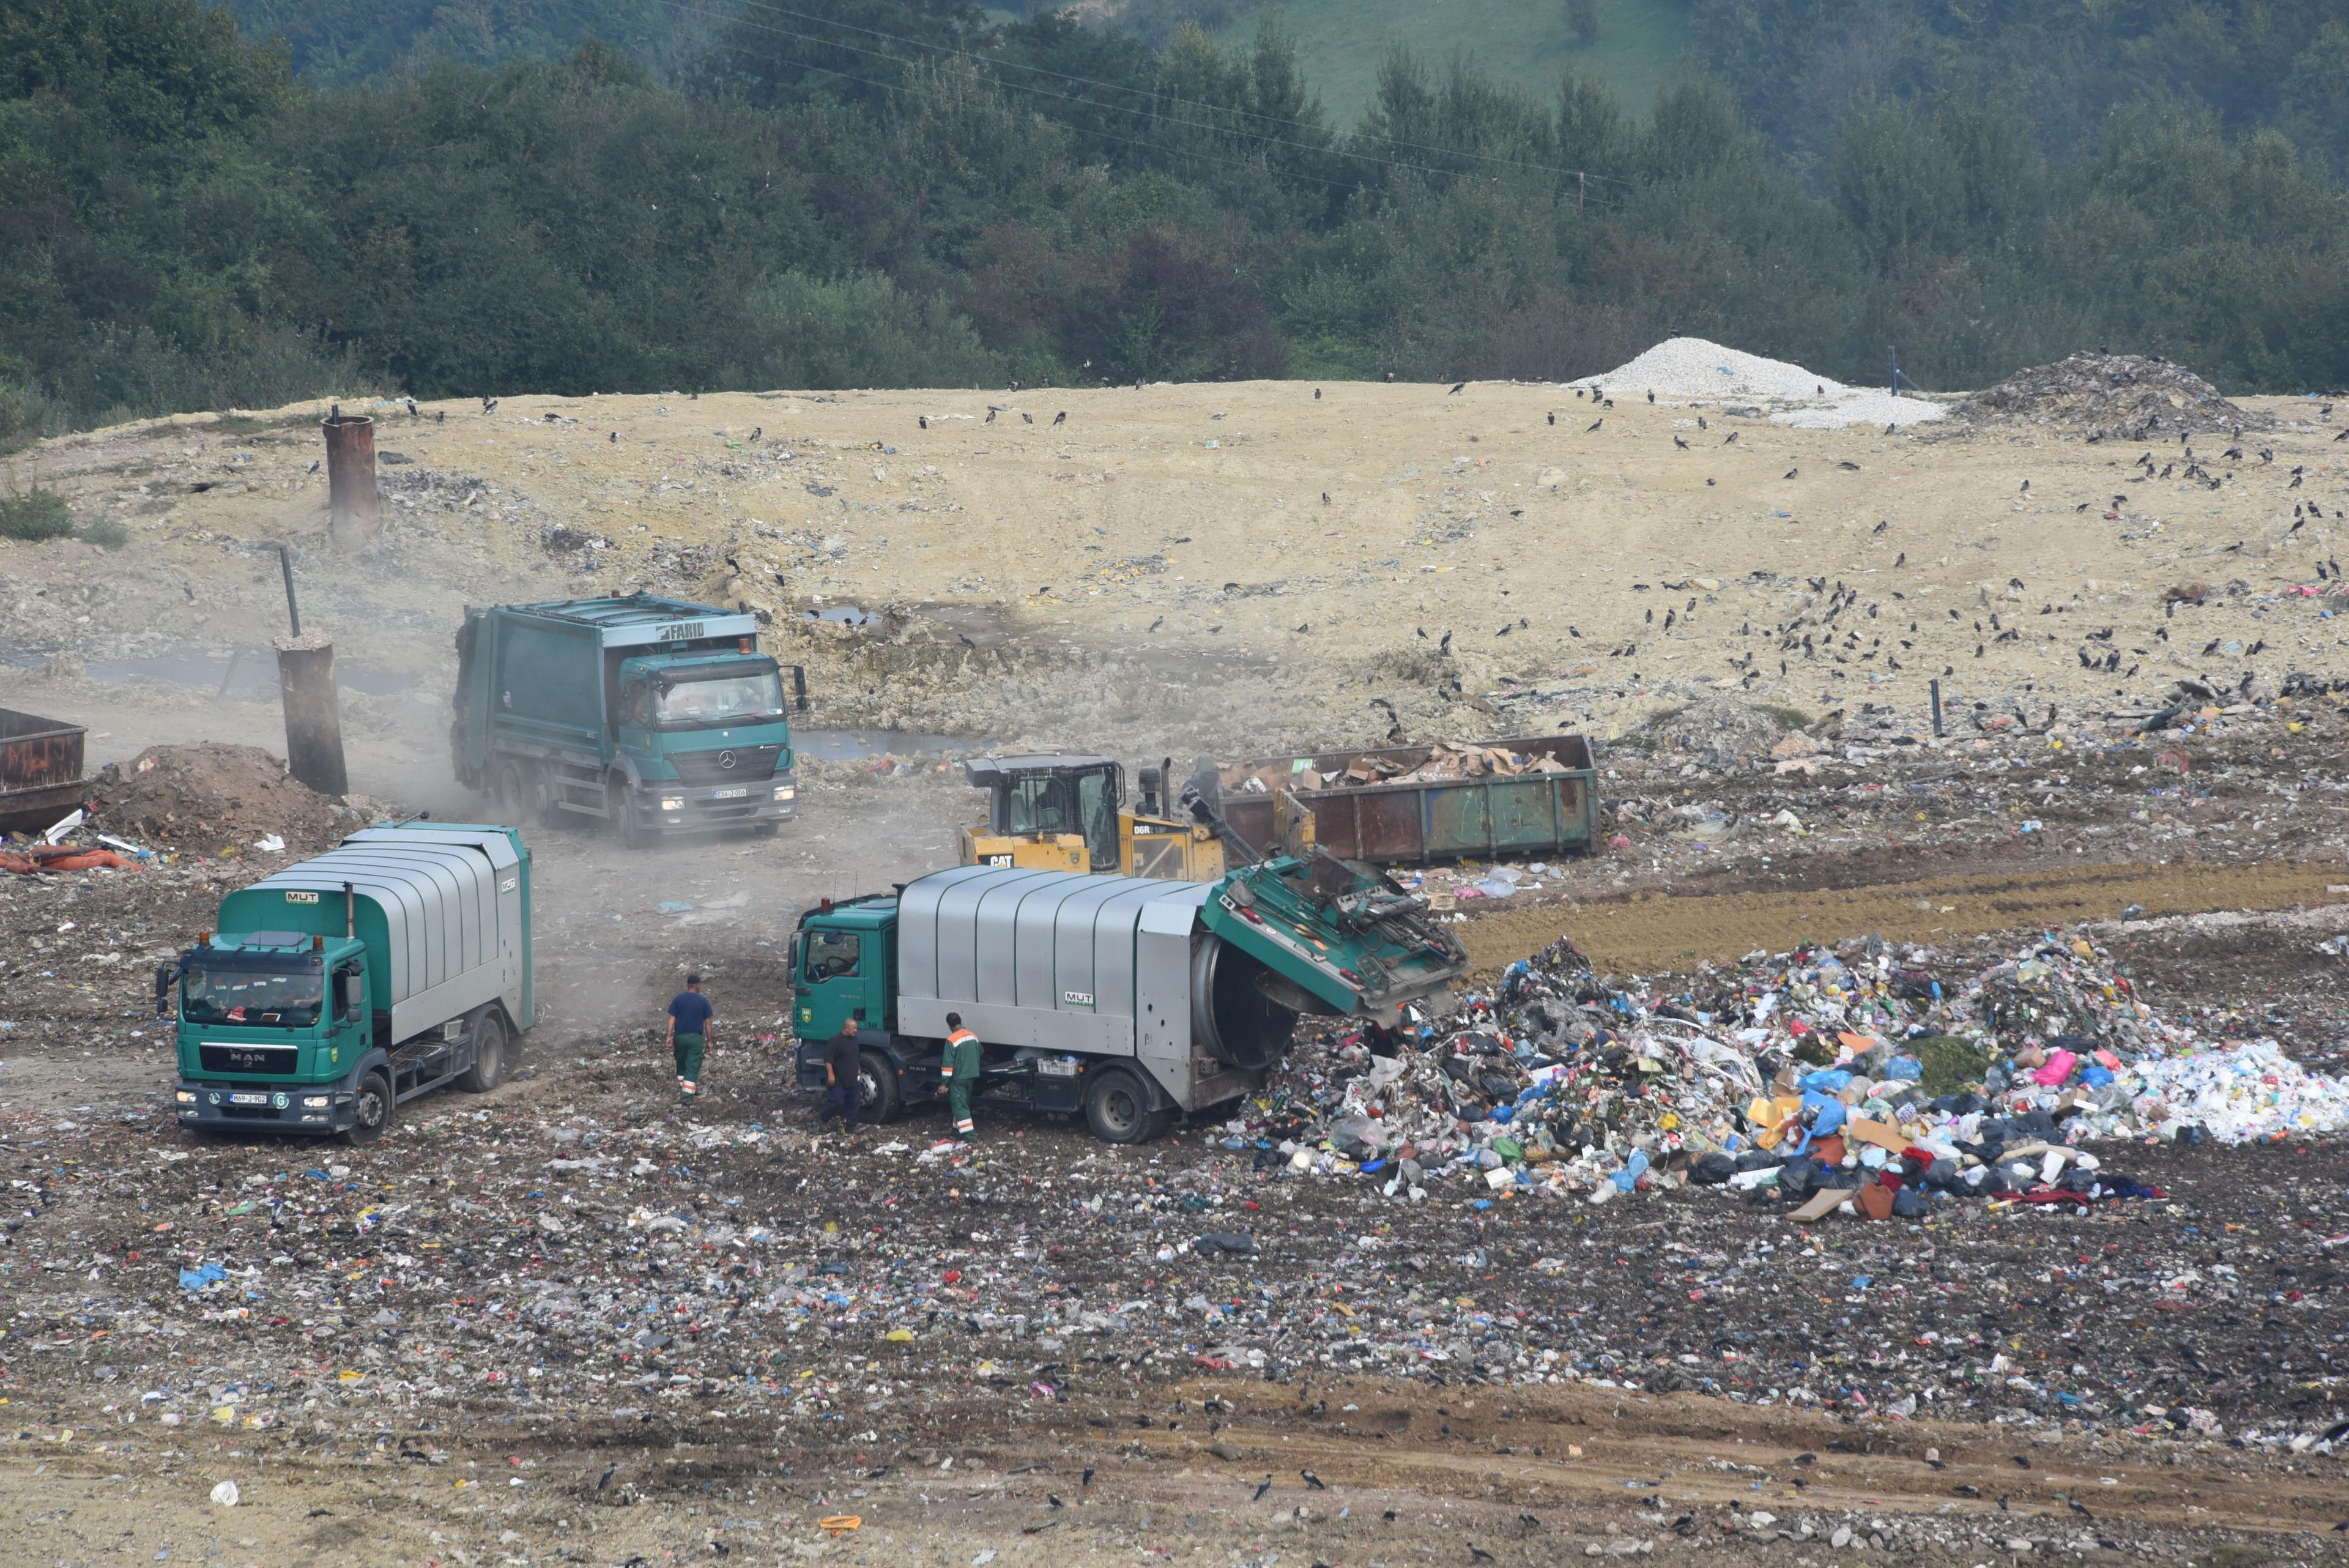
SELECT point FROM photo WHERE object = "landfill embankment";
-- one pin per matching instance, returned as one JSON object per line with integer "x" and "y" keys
{"x": 1665, "y": 930}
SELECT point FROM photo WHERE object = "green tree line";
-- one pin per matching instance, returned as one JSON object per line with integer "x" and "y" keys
{"x": 891, "y": 192}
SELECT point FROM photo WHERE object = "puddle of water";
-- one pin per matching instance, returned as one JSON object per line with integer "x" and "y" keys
{"x": 846, "y": 615}
{"x": 848, "y": 745}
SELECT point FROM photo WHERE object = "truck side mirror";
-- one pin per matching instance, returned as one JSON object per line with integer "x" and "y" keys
{"x": 792, "y": 962}
{"x": 165, "y": 974}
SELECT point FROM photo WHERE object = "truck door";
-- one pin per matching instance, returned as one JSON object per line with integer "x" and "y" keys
{"x": 838, "y": 979}
{"x": 634, "y": 729}
{"x": 346, "y": 1026}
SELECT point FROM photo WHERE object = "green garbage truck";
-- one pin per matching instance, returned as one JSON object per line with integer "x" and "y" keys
{"x": 657, "y": 717}
{"x": 397, "y": 961}
{"x": 1130, "y": 1001}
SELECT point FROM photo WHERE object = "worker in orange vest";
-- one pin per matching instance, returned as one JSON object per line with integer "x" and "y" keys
{"x": 958, "y": 1068}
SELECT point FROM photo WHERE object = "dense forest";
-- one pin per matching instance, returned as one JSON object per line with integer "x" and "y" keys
{"x": 461, "y": 199}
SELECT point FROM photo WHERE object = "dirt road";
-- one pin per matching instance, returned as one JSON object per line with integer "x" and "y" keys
{"x": 1215, "y": 1469}
{"x": 1676, "y": 930}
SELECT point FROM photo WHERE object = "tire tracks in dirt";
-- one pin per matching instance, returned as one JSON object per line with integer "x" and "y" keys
{"x": 1661, "y": 931}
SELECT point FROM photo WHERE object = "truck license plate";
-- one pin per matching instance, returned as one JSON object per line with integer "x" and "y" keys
{"x": 247, "y": 1097}
{"x": 735, "y": 793}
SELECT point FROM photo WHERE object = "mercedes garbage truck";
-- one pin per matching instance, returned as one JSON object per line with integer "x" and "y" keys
{"x": 1132, "y": 1001}
{"x": 654, "y": 716}
{"x": 330, "y": 991}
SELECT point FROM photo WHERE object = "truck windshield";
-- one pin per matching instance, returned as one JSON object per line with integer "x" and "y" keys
{"x": 721, "y": 697}
{"x": 275, "y": 995}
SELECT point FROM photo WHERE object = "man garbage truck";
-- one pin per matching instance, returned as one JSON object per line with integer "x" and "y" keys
{"x": 1129, "y": 1001}
{"x": 332, "y": 991}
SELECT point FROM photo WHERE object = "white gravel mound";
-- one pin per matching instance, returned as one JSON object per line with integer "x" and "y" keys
{"x": 1691, "y": 369}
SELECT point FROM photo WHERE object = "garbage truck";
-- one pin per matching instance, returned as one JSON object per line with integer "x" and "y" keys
{"x": 656, "y": 717}
{"x": 331, "y": 992}
{"x": 1130, "y": 1001}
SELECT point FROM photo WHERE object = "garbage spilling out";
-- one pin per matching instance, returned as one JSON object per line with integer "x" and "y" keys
{"x": 1877, "y": 1081}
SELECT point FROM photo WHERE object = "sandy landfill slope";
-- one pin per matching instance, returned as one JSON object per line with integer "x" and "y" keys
{"x": 1247, "y": 565}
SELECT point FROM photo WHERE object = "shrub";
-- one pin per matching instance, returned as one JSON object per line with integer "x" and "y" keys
{"x": 36, "y": 514}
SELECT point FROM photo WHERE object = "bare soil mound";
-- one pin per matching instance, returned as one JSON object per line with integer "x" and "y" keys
{"x": 2119, "y": 397}
{"x": 211, "y": 798}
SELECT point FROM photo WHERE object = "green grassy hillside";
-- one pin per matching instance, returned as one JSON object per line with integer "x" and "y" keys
{"x": 1524, "y": 42}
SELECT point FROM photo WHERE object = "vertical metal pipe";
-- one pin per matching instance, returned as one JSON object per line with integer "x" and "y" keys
{"x": 293, "y": 610}
{"x": 1936, "y": 707}
{"x": 314, "y": 717}
{"x": 351, "y": 498}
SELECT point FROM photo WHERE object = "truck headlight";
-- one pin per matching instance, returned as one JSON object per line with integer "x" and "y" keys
{"x": 186, "y": 1096}
{"x": 672, "y": 803}
{"x": 785, "y": 792}
{"x": 316, "y": 1102}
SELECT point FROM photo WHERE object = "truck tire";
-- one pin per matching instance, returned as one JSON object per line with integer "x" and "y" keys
{"x": 508, "y": 791}
{"x": 877, "y": 1076}
{"x": 621, "y": 817}
{"x": 489, "y": 1068}
{"x": 1117, "y": 1108}
{"x": 373, "y": 1109}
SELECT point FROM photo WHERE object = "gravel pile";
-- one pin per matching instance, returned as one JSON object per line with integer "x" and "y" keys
{"x": 2119, "y": 397}
{"x": 1693, "y": 368}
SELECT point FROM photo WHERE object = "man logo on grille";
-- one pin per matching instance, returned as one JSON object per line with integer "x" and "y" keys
{"x": 725, "y": 758}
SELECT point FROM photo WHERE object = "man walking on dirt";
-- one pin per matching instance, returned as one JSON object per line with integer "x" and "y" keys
{"x": 688, "y": 1033}
{"x": 844, "y": 1079}
{"x": 959, "y": 1070}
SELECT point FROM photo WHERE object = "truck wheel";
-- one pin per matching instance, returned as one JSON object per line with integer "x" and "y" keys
{"x": 489, "y": 1068}
{"x": 508, "y": 791}
{"x": 372, "y": 1110}
{"x": 621, "y": 817}
{"x": 1117, "y": 1108}
{"x": 877, "y": 1079}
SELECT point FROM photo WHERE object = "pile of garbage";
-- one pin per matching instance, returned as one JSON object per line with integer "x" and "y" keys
{"x": 1445, "y": 760}
{"x": 2114, "y": 396}
{"x": 206, "y": 797}
{"x": 1870, "y": 1080}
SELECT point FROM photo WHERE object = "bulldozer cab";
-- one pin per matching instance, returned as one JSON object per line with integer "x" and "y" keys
{"x": 1056, "y": 811}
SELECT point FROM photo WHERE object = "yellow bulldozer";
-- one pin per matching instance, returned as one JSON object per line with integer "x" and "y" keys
{"x": 1066, "y": 813}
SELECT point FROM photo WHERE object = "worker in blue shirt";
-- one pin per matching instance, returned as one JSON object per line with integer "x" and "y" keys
{"x": 688, "y": 1036}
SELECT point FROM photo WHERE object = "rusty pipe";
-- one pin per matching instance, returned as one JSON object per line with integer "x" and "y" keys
{"x": 352, "y": 503}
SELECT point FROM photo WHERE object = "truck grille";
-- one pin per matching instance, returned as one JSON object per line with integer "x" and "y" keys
{"x": 248, "y": 1058}
{"x": 750, "y": 764}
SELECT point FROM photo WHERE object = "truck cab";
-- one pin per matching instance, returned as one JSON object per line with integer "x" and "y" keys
{"x": 269, "y": 1022}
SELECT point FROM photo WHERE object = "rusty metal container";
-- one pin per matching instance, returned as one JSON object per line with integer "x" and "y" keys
{"x": 40, "y": 770}
{"x": 1423, "y": 820}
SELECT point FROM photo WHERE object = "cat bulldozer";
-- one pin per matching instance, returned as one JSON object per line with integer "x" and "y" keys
{"x": 1063, "y": 813}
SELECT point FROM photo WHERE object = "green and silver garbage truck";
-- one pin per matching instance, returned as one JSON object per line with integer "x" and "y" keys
{"x": 330, "y": 991}
{"x": 655, "y": 716}
{"x": 1132, "y": 1001}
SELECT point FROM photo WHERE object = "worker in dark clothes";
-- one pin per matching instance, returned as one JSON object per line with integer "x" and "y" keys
{"x": 688, "y": 1036}
{"x": 842, "y": 1075}
{"x": 959, "y": 1068}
